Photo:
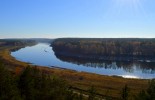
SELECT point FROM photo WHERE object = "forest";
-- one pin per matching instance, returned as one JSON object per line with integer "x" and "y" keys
{"x": 16, "y": 42}
{"x": 106, "y": 48}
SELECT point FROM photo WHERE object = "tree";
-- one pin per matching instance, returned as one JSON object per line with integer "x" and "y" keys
{"x": 8, "y": 86}
{"x": 38, "y": 85}
{"x": 141, "y": 96}
{"x": 92, "y": 93}
{"x": 26, "y": 84}
{"x": 148, "y": 94}
{"x": 125, "y": 93}
{"x": 151, "y": 90}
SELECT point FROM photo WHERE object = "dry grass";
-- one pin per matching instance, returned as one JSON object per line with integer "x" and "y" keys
{"x": 102, "y": 83}
{"x": 10, "y": 61}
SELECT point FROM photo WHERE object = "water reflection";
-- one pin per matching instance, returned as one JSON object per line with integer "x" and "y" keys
{"x": 128, "y": 66}
{"x": 129, "y": 76}
{"x": 42, "y": 54}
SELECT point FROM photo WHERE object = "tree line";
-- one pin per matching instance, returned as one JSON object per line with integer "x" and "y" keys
{"x": 16, "y": 42}
{"x": 105, "y": 47}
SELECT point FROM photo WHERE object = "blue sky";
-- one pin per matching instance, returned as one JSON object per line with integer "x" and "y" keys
{"x": 77, "y": 18}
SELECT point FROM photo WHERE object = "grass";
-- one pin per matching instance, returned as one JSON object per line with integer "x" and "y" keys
{"x": 103, "y": 84}
{"x": 81, "y": 81}
{"x": 11, "y": 62}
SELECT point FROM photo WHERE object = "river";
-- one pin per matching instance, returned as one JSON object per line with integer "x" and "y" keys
{"x": 42, "y": 54}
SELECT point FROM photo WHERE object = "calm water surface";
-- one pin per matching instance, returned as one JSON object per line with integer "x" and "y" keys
{"x": 42, "y": 54}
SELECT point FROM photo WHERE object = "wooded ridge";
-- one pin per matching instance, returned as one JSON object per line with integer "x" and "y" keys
{"x": 106, "y": 48}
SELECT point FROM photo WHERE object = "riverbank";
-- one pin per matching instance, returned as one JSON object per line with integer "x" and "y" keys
{"x": 81, "y": 81}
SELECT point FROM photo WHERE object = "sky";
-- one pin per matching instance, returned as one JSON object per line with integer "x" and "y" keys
{"x": 77, "y": 18}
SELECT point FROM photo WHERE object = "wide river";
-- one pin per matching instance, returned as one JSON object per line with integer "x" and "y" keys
{"x": 42, "y": 54}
